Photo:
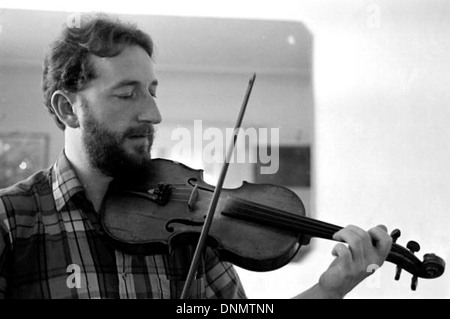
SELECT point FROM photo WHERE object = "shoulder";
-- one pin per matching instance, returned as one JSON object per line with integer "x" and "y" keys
{"x": 25, "y": 195}
{"x": 38, "y": 182}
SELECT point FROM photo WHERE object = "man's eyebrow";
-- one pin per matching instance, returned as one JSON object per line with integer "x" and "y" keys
{"x": 131, "y": 83}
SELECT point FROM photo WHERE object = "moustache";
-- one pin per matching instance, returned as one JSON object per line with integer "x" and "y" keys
{"x": 143, "y": 130}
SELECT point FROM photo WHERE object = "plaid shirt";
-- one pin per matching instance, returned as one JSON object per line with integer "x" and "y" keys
{"x": 52, "y": 246}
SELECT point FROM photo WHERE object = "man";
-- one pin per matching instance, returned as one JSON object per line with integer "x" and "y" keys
{"x": 100, "y": 86}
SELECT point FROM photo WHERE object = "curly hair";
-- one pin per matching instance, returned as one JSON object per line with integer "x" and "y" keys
{"x": 67, "y": 65}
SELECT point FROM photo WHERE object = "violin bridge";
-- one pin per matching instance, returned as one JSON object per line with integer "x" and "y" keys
{"x": 193, "y": 198}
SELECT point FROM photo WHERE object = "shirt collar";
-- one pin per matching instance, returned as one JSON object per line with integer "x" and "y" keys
{"x": 65, "y": 182}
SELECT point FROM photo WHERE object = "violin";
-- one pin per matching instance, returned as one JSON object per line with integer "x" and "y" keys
{"x": 259, "y": 227}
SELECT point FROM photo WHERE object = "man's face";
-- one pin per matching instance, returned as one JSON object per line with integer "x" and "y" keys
{"x": 119, "y": 111}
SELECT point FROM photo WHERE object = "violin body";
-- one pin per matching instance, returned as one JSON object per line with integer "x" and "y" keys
{"x": 139, "y": 224}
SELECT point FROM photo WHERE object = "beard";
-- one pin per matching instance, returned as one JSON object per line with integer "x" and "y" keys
{"x": 106, "y": 152}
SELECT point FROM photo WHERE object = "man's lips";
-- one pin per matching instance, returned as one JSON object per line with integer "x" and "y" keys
{"x": 144, "y": 132}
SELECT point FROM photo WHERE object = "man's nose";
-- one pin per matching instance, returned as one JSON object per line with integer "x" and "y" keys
{"x": 149, "y": 111}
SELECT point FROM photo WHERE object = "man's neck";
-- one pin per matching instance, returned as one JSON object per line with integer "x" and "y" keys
{"x": 95, "y": 182}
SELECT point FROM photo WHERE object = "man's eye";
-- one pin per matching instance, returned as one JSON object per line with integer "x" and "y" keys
{"x": 125, "y": 96}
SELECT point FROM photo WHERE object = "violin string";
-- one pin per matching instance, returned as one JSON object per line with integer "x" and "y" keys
{"x": 287, "y": 221}
{"x": 299, "y": 226}
{"x": 259, "y": 216}
{"x": 290, "y": 219}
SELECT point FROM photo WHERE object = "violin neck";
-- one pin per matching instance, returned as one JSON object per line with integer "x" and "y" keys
{"x": 259, "y": 213}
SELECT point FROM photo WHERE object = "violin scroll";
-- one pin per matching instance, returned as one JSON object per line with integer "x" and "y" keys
{"x": 431, "y": 267}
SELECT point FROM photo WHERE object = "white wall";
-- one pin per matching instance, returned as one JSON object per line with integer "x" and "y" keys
{"x": 383, "y": 134}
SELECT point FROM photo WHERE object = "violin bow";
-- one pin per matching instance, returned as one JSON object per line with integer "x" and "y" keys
{"x": 215, "y": 198}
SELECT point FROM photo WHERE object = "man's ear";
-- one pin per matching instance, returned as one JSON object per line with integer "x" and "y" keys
{"x": 63, "y": 105}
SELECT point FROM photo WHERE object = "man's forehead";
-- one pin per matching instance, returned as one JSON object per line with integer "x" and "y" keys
{"x": 132, "y": 64}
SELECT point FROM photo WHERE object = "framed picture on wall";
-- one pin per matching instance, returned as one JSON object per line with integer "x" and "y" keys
{"x": 22, "y": 154}
{"x": 294, "y": 168}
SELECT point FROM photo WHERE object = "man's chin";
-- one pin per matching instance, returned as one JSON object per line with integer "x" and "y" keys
{"x": 139, "y": 147}
{"x": 137, "y": 150}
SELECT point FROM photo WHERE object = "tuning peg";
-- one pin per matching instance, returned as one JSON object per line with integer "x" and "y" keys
{"x": 413, "y": 247}
{"x": 395, "y": 234}
{"x": 414, "y": 283}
